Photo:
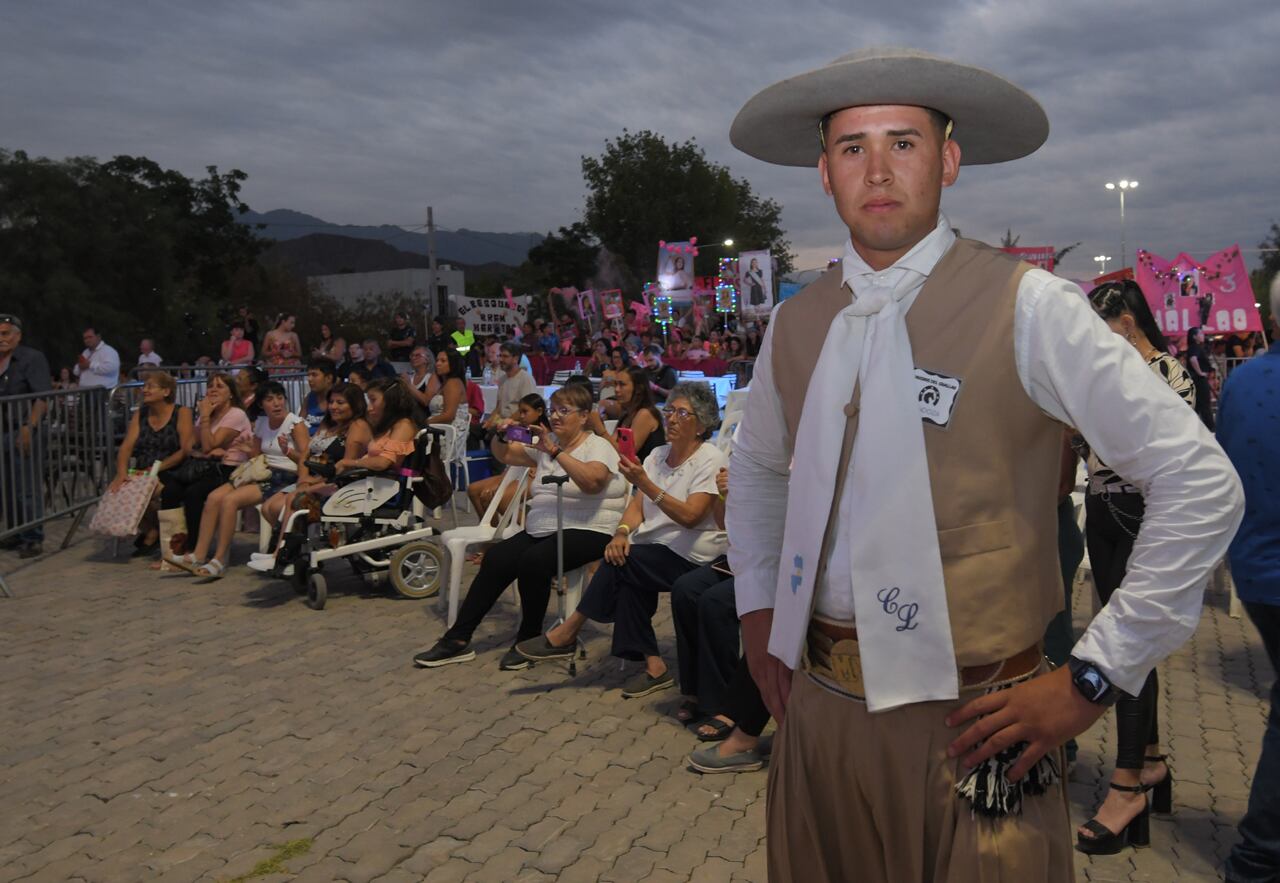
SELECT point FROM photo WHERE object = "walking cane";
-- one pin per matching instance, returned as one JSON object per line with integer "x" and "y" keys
{"x": 559, "y": 481}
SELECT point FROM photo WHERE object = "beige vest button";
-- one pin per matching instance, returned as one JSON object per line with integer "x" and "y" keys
{"x": 851, "y": 410}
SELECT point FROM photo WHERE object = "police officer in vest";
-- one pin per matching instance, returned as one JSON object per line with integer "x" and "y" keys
{"x": 906, "y": 415}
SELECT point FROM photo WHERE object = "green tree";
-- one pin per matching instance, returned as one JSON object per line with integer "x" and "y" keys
{"x": 131, "y": 247}
{"x": 643, "y": 190}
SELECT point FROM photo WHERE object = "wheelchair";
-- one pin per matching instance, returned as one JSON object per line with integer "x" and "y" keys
{"x": 377, "y": 523}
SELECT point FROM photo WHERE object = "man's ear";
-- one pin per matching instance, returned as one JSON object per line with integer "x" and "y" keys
{"x": 950, "y": 162}
{"x": 822, "y": 170}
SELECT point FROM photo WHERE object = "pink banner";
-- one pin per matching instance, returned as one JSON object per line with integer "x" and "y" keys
{"x": 1185, "y": 293}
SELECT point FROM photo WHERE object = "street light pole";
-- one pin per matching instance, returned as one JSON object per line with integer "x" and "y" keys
{"x": 1102, "y": 259}
{"x": 1124, "y": 185}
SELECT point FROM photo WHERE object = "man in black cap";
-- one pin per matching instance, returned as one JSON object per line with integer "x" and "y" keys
{"x": 23, "y": 370}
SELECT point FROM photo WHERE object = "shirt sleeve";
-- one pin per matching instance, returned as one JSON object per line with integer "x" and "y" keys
{"x": 1079, "y": 372}
{"x": 759, "y": 472}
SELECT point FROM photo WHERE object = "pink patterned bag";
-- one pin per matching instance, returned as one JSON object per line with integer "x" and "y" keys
{"x": 120, "y": 511}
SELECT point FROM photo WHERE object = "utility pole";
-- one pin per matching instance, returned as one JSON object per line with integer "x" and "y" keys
{"x": 432, "y": 296}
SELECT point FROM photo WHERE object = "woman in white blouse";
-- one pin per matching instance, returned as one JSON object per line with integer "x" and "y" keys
{"x": 669, "y": 528}
{"x": 594, "y": 498}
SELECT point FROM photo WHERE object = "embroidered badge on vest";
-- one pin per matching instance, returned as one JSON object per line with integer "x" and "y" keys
{"x": 936, "y": 395}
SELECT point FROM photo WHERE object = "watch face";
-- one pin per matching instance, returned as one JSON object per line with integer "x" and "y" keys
{"x": 1092, "y": 682}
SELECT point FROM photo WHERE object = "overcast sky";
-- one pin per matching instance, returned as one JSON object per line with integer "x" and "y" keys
{"x": 364, "y": 113}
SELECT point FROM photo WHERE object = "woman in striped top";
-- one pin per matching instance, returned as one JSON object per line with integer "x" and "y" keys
{"x": 1114, "y": 510}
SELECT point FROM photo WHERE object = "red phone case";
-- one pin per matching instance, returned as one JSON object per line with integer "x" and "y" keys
{"x": 627, "y": 444}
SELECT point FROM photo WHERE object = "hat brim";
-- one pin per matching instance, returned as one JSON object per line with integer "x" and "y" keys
{"x": 995, "y": 121}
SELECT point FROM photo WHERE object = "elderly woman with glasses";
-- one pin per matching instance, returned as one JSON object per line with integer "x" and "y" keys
{"x": 670, "y": 528}
{"x": 594, "y": 498}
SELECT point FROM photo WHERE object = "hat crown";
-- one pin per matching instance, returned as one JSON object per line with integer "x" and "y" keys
{"x": 868, "y": 52}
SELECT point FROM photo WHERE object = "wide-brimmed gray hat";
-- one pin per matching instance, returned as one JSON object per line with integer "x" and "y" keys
{"x": 995, "y": 121}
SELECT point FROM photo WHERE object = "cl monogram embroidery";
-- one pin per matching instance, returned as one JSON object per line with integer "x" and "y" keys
{"x": 906, "y": 613}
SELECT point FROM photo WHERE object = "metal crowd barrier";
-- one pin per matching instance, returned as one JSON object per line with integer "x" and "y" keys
{"x": 66, "y": 468}
{"x": 72, "y": 457}
{"x": 191, "y": 387}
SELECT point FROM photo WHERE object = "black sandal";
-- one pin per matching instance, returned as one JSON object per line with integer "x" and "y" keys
{"x": 722, "y": 730}
{"x": 1162, "y": 791}
{"x": 1107, "y": 842}
{"x": 141, "y": 548}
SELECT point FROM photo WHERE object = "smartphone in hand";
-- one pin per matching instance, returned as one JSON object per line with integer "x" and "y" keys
{"x": 517, "y": 433}
{"x": 627, "y": 444}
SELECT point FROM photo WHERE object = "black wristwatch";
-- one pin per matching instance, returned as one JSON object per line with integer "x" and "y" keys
{"x": 1092, "y": 683}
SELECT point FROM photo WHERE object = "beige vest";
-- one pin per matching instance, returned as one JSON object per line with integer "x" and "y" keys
{"x": 993, "y": 469}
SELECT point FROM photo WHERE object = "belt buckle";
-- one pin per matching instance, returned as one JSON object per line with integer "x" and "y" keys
{"x": 846, "y": 665}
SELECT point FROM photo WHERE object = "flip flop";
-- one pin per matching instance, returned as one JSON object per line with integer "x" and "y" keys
{"x": 720, "y": 730}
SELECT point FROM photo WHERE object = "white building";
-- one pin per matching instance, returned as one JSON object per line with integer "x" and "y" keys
{"x": 408, "y": 286}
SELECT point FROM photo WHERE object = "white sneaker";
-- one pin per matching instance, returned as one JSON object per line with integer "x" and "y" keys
{"x": 253, "y": 555}
{"x": 288, "y": 570}
{"x": 262, "y": 565}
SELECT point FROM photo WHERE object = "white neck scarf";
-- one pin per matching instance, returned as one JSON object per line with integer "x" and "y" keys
{"x": 900, "y": 601}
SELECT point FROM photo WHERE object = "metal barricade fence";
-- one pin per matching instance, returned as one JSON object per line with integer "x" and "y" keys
{"x": 71, "y": 458}
{"x": 59, "y": 469}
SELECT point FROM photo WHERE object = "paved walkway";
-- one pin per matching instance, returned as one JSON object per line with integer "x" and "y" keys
{"x": 155, "y": 729}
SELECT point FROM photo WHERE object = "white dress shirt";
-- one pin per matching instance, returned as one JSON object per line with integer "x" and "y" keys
{"x": 1078, "y": 372}
{"x": 151, "y": 358}
{"x": 104, "y": 366}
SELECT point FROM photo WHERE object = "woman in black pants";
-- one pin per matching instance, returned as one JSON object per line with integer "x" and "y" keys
{"x": 671, "y": 527}
{"x": 1198, "y": 366}
{"x": 594, "y": 498}
{"x": 1114, "y": 510}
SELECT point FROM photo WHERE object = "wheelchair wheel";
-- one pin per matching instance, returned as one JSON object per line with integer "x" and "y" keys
{"x": 415, "y": 569}
{"x": 317, "y": 591}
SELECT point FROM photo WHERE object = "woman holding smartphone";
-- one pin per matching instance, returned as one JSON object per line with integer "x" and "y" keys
{"x": 594, "y": 499}
{"x": 637, "y": 415}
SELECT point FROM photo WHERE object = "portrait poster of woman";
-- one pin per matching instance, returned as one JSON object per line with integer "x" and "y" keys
{"x": 675, "y": 270}
{"x": 756, "y": 275}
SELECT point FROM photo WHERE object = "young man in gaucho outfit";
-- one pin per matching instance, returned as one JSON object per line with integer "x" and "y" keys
{"x": 893, "y": 618}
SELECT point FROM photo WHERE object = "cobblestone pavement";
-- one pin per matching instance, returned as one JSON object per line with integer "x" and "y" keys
{"x": 156, "y": 729}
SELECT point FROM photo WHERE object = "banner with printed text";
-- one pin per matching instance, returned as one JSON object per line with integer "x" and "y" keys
{"x": 1213, "y": 294}
{"x": 492, "y": 315}
{"x": 1038, "y": 256}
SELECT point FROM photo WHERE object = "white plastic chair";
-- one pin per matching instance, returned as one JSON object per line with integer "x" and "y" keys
{"x": 728, "y": 430}
{"x": 458, "y": 540}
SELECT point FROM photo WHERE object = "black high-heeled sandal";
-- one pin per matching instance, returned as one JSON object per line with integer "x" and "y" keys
{"x": 1107, "y": 842}
{"x": 1162, "y": 791}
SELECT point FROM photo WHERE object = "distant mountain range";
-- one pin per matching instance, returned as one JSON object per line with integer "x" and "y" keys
{"x": 472, "y": 247}
{"x": 323, "y": 254}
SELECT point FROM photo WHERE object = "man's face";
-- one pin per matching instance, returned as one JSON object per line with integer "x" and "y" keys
{"x": 10, "y": 337}
{"x": 91, "y": 339}
{"x": 318, "y": 380}
{"x": 145, "y": 346}
{"x": 371, "y": 351}
{"x": 462, "y": 325}
{"x": 506, "y": 361}
{"x": 355, "y": 352}
{"x": 653, "y": 360}
{"x": 885, "y": 167}
{"x": 399, "y": 321}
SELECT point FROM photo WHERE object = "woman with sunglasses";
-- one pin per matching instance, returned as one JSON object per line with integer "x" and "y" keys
{"x": 594, "y": 497}
{"x": 670, "y": 528}
{"x": 1114, "y": 510}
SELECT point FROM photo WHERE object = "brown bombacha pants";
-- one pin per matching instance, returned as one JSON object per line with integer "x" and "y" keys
{"x": 855, "y": 796}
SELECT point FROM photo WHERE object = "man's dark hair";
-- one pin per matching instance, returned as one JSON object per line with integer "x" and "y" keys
{"x": 653, "y": 350}
{"x": 92, "y": 328}
{"x": 323, "y": 365}
{"x": 939, "y": 119}
{"x": 511, "y": 348}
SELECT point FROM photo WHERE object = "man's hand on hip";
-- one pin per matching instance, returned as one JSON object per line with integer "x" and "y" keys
{"x": 1044, "y": 712}
{"x": 771, "y": 675}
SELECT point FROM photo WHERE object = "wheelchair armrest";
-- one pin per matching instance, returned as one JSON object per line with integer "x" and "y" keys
{"x": 554, "y": 479}
{"x": 353, "y": 475}
{"x": 324, "y": 470}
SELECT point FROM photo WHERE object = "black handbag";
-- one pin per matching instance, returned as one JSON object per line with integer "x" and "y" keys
{"x": 194, "y": 469}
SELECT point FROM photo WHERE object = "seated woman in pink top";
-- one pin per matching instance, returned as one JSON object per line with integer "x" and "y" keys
{"x": 390, "y": 413}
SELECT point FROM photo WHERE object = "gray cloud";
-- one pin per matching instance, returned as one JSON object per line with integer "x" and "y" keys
{"x": 365, "y": 113}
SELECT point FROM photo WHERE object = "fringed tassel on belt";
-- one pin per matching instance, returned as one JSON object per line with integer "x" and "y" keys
{"x": 987, "y": 786}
